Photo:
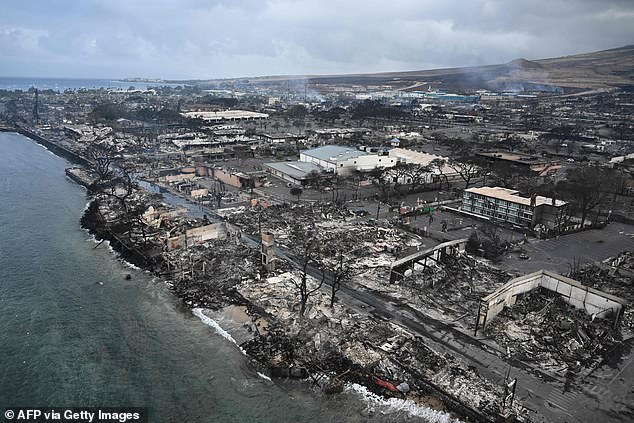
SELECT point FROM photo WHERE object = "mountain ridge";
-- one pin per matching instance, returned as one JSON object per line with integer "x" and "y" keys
{"x": 592, "y": 70}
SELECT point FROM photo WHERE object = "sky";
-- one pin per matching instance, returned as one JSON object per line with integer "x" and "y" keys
{"x": 206, "y": 39}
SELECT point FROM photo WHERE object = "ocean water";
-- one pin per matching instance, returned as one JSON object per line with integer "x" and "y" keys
{"x": 66, "y": 340}
{"x": 61, "y": 84}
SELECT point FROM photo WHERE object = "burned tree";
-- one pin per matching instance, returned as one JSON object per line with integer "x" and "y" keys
{"x": 338, "y": 261}
{"x": 380, "y": 178}
{"x": 297, "y": 192}
{"x": 398, "y": 176}
{"x": 620, "y": 183}
{"x": 305, "y": 246}
{"x": 313, "y": 179}
{"x": 337, "y": 184}
{"x": 119, "y": 185}
{"x": 103, "y": 158}
{"x": 416, "y": 175}
{"x": 488, "y": 243}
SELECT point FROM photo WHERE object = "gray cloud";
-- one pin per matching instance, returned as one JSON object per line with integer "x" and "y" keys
{"x": 222, "y": 38}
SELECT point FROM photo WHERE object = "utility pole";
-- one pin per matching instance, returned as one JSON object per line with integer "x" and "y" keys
{"x": 506, "y": 409}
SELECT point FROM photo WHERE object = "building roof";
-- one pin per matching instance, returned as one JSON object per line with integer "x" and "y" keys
{"x": 513, "y": 196}
{"x": 421, "y": 159}
{"x": 334, "y": 153}
{"x": 517, "y": 158}
{"x": 226, "y": 115}
{"x": 296, "y": 170}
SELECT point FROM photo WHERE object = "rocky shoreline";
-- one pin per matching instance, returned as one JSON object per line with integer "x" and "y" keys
{"x": 279, "y": 344}
{"x": 292, "y": 349}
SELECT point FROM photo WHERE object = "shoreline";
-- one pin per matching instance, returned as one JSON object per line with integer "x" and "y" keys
{"x": 445, "y": 404}
{"x": 53, "y": 147}
{"x": 136, "y": 258}
{"x": 414, "y": 409}
{"x": 429, "y": 410}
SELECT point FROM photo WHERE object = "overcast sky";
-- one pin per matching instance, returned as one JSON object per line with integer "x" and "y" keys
{"x": 227, "y": 38}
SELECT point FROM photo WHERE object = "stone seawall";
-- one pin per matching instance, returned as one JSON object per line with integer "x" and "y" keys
{"x": 52, "y": 146}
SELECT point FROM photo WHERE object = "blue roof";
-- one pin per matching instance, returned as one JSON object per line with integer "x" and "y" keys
{"x": 333, "y": 153}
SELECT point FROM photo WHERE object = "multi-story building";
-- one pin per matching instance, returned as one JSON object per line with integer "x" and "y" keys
{"x": 503, "y": 204}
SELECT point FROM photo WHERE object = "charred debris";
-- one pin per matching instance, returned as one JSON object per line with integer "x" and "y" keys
{"x": 300, "y": 261}
{"x": 331, "y": 337}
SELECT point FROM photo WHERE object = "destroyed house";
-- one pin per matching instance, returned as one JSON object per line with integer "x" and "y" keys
{"x": 540, "y": 165}
{"x": 503, "y": 204}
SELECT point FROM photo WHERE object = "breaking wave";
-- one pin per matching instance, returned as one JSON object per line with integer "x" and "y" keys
{"x": 106, "y": 242}
{"x": 263, "y": 376}
{"x": 198, "y": 312}
{"x": 401, "y": 405}
{"x": 46, "y": 148}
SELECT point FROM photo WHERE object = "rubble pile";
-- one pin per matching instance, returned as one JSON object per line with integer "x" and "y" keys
{"x": 330, "y": 219}
{"x": 346, "y": 346}
{"x": 542, "y": 328}
{"x": 106, "y": 219}
{"x": 448, "y": 291}
{"x": 451, "y": 290}
{"x": 370, "y": 248}
{"x": 332, "y": 345}
{"x": 207, "y": 275}
{"x": 615, "y": 277}
{"x": 202, "y": 275}
{"x": 278, "y": 218}
{"x": 325, "y": 340}
{"x": 431, "y": 369}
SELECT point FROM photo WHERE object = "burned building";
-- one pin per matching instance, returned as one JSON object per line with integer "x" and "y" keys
{"x": 541, "y": 166}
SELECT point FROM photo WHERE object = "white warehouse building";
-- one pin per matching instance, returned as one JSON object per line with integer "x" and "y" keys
{"x": 345, "y": 160}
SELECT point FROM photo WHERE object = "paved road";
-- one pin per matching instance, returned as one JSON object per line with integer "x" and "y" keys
{"x": 545, "y": 397}
{"x": 558, "y": 254}
{"x": 541, "y": 394}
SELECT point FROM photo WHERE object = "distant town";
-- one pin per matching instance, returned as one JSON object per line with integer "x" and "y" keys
{"x": 468, "y": 246}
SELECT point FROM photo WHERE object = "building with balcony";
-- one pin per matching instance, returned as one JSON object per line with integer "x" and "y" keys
{"x": 506, "y": 205}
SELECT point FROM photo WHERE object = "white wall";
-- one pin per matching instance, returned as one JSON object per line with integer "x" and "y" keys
{"x": 323, "y": 163}
{"x": 364, "y": 163}
{"x": 574, "y": 293}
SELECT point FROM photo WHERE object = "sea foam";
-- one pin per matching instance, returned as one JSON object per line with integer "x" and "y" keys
{"x": 401, "y": 405}
{"x": 198, "y": 312}
{"x": 114, "y": 252}
{"x": 263, "y": 376}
